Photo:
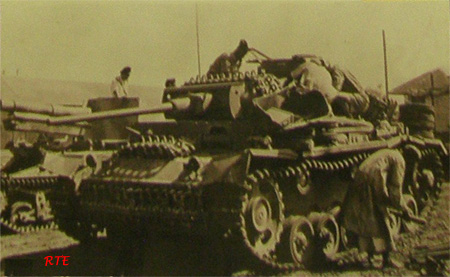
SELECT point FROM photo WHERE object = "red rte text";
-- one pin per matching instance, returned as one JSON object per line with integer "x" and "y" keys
{"x": 49, "y": 260}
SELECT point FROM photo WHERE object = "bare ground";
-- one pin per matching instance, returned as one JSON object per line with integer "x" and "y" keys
{"x": 24, "y": 254}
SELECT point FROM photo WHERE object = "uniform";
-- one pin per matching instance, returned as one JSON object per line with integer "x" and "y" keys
{"x": 224, "y": 64}
{"x": 229, "y": 63}
{"x": 119, "y": 87}
{"x": 377, "y": 185}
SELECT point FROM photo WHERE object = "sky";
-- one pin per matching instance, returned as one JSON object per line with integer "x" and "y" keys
{"x": 91, "y": 41}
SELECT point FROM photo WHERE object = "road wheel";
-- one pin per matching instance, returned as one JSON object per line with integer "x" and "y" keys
{"x": 296, "y": 241}
{"x": 327, "y": 235}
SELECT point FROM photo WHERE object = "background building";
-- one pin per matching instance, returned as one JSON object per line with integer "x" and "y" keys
{"x": 431, "y": 88}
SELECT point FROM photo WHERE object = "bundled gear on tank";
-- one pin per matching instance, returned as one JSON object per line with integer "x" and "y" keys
{"x": 312, "y": 76}
{"x": 317, "y": 74}
{"x": 419, "y": 118}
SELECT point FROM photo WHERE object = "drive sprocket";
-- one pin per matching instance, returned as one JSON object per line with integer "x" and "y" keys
{"x": 262, "y": 214}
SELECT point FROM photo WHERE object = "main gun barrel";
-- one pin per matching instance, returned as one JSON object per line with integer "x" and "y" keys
{"x": 70, "y": 119}
{"x": 48, "y": 109}
{"x": 180, "y": 104}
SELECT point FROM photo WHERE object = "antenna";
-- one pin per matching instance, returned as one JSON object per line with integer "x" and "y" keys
{"x": 385, "y": 67}
{"x": 432, "y": 88}
{"x": 198, "y": 38}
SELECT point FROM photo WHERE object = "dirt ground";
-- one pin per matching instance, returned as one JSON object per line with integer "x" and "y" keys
{"x": 182, "y": 256}
{"x": 435, "y": 233}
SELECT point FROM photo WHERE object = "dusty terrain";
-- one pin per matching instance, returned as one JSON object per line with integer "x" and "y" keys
{"x": 24, "y": 254}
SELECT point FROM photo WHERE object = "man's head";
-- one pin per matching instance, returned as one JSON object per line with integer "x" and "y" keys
{"x": 241, "y": 50}
{"x": 125, "y": 73}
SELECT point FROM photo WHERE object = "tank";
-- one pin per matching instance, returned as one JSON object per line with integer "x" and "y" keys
{"x": 240, "y": 159}
{"x": 29, "y": 169}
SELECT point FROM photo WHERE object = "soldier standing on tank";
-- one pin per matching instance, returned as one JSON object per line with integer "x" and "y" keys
{"x": 377, "y": 186}
{"x": 229, "y": 63}
{"x": 119, "y": 86}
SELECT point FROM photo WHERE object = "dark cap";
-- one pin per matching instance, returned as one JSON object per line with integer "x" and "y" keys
{"x": 126, "y": 69}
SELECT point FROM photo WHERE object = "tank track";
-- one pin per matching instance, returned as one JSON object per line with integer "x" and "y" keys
{"x": 305, "y": 168}
{"x": 128, "y": 200}
{"x": 253, "y": 179}
{"x": 154, "y": 146}
{"x": 432, "y": 155}
{"x": 350, "y": 256}
{"x": 30, "y": 186}
{"x": 429, "y": 187}
{"x": 135, "y": 202}
{"x": 261, "y": 83}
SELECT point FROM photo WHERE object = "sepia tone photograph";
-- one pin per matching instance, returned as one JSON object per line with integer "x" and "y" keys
{"x": 224, "y": 138}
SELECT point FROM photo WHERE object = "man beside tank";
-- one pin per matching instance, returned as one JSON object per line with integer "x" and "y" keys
{"x": 314, "y": 74}
{"x": 119, "y": 86}
{"x": 229, "y": 63}
{"x": 377, "y": 187}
